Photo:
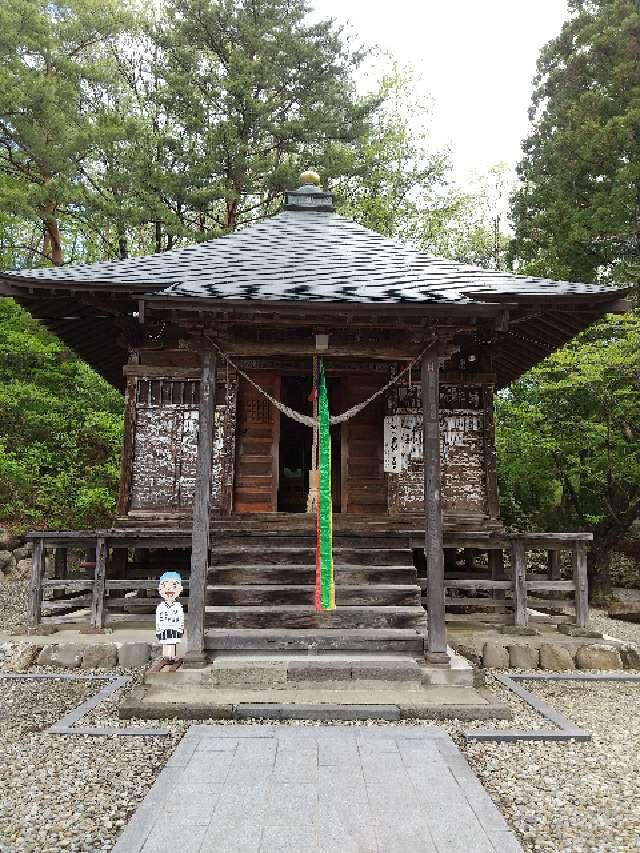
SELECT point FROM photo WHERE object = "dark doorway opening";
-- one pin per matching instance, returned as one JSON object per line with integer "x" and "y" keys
{"x": 296, "y": 444}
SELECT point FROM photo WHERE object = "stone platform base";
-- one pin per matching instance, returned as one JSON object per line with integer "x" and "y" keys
{"x": 346, "y": 686}
{"x": 317, "y": 703}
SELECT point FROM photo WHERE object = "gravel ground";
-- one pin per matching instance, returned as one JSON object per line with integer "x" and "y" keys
{"x": 14, "y": 604}
{"x": 571, "y": 796}
{"x": 627, "y": 631}
{"x": 77, "y": 793}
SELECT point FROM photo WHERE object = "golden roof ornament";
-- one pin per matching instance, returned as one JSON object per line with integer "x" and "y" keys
{"x": 310, "y": 178}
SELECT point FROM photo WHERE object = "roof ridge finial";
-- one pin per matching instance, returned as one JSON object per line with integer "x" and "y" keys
{"x": 310, "y": 178}
{"x": 309, "y": 195}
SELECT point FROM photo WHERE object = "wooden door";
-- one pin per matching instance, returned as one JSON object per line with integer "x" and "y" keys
{"x": 257, "y": 446}
{"x": 364, "y": 486}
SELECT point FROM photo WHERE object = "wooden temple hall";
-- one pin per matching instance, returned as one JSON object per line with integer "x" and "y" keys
{"x": 216, "y": 344}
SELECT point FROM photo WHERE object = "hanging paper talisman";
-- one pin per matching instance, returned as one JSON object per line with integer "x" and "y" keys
{"x": 325, "y": 589}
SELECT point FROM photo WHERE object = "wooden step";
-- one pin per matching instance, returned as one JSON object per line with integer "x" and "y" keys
{"x": 306, "y": 616}
{"x": 346, "y": 594}
{"x": 389, "y": 640}
{"x": 307, "y": 539}
{"x": 296, "y": 574}
{"x": 307, "y": 556}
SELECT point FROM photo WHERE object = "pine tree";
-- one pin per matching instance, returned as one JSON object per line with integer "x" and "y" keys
{"x": 252, "y": 94}
{"x": 577, "y": 214}
{"x": 53, "y": 58}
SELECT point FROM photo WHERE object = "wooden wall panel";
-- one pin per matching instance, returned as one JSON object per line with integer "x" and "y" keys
{"x": 257, "y": 446}
{"x": 165, "y": 436}
{"x": 465, "y": 445}
{"x": 364, "y": 487}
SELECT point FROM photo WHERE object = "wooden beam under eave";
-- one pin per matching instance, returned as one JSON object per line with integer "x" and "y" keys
{"x": 266, "y": 350}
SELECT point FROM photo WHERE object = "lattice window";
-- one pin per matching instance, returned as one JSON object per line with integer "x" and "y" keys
{"x": 168, "y": 392}
{"x": 257, "y": 410}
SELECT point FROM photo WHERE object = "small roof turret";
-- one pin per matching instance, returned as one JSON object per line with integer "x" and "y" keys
{"x": 310, "y": 195}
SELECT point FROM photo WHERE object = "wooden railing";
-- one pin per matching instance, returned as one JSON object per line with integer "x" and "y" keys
{"x": 514, "y": 594}
{"x": 499, "y": 591}
{"x": 98, "y": 599}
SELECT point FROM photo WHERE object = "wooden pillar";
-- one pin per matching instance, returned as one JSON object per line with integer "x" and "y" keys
{"x": 553, "y": 563}
{"x": 99, "y": 579}
{"x": 118, "y": 563}
{"x": 37, "y": 575}
{"x": 519, "y": 568}
{"x": 495, "y": 559}
{"x": 581, "y": 582}
{"x": 60, "y": 568}
{"x": 489, "y": 441}
{"x": 126, "y": 464}
{"x": 195, "y": 654}
{"x": 434, "y": 553}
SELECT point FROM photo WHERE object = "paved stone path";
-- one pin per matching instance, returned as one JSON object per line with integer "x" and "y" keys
{"x": 311, "y": 789}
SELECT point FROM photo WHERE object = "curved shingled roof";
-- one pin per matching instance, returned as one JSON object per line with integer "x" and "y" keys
{"x": 307, "y": 256}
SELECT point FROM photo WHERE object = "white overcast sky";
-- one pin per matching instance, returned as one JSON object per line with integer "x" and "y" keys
{"x": 477, "y": 60}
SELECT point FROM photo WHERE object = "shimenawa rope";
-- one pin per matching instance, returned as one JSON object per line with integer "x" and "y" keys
{"x": 306, "y": 419}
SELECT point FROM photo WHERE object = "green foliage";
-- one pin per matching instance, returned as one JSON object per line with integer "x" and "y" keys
{"x": 60, "y": 431}
{"x": 394, "y": 183}
{"x": 569, "y": 448}
{"x": 569, "y": 440}
{"x": 389, "y": 175}
{"x": 465, "y": 225}
{"x": 256, "y": 94}
{"x": 54, "y": 65}
{"x": 577, "y": 212}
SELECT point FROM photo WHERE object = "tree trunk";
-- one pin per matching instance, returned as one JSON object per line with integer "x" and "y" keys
{"x": 598, "y": 570}
{"x": 231, "y": 216}
{"x": 608, "y": 535}
{"x": 52, "y": 242}
{"x": 123, "y": 246}
{"x": 158, "y": 235}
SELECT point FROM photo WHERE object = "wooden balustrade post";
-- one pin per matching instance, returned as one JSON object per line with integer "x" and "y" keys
{"x": 98, "y": 589}
{"x": 60, "y": 567}
{"x": 434, "y": 552}
{"x": 195, "y": 653}
{"x": 37, "y": 575}
{"x": 519, "y": 567}
{"x": 553, "y": 563}
{"x": 581, "y": 582}
{"x": 495, "y": 558}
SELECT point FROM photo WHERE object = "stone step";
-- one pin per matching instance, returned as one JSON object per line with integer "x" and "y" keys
{"x": 302, "y": 640}
{"x": 379, "y": 700}
{"x": 306, "y": 616}
{"x": 274, "y": 594}
{"x": 225, "y": 555}
{"x": 294, "y": 575}
{"x": 281, "y": 672}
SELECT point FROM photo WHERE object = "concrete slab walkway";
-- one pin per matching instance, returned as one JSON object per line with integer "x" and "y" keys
{"x": 310, "y": 789}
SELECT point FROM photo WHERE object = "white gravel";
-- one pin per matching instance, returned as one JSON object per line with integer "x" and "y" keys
{"x": 76, "y": 794}
{"x": 14, "y": 604}
{"x": 627, "y": 631}
{"x": 572, "y": 796}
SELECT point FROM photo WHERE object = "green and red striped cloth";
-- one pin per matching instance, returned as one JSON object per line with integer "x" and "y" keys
{"x": 325, "y": 587}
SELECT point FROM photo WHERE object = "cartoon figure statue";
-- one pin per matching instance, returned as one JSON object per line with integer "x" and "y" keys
{"x": 169, "y": 618}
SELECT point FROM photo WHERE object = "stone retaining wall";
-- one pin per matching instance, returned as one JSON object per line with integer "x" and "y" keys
{"x": 15, "y": 558}
{"x": 536, "y": 652}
